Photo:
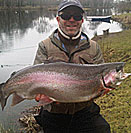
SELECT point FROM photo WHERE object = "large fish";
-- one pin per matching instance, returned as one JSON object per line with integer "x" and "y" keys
{"x": 62, "y": 82}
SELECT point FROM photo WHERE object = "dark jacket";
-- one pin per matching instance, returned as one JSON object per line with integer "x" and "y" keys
{"x": 81, "y": 51}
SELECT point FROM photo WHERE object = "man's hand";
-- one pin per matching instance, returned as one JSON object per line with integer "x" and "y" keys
{"x": 38, "y": 97}
{"x": 43, "y": 99}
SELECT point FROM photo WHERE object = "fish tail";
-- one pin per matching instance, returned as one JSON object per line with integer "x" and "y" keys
{"x": 2, "y": 97}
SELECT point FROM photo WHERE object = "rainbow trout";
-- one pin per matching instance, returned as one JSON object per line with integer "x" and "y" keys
{"x": 62, "y": 82}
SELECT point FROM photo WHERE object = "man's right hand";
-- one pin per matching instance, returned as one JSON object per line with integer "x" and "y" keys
{"x": 38, "y": 97}
{"x": 43, "y": 99}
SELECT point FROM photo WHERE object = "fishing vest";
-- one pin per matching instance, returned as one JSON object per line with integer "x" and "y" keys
{"x": 85, "y": 52}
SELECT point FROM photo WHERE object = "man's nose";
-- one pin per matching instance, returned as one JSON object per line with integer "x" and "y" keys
{"x": 71, "y": 19}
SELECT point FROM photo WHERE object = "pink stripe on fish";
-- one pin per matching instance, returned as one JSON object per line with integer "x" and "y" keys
{"x": 50, "y": 77}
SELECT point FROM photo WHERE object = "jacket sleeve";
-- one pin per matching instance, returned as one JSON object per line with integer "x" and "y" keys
{"x": 98, "y": 58}
{"x": 41, "y": 54}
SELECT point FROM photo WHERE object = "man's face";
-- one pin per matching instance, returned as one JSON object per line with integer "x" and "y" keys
{"x": 70, "y": 26}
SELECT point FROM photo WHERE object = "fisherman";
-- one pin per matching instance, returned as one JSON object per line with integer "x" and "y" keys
{"x": 69, "y": 44}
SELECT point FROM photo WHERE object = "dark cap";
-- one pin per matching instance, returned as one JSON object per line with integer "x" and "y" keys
{"x": 67, "y": 3}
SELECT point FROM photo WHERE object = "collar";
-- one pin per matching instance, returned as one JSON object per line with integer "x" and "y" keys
{"x": 67, "y": 37}
{"x": 83, "y": 44}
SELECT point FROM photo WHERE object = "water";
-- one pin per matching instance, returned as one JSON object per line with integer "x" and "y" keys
{"x": 20, "y": 33}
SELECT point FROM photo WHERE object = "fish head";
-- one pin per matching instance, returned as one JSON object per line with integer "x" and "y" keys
{"x": 113, "y": 76}
{"x": 2, "y": 97}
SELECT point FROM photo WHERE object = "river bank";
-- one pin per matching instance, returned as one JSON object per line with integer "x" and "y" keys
{"x": 124, "y": 19}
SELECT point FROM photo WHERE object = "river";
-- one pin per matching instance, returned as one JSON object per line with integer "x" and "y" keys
{"x": 20, "y": 33}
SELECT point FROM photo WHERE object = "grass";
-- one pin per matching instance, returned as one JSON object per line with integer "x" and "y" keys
{"x": 115, "y": 106}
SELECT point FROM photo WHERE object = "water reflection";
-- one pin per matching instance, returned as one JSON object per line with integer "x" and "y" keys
{"x": 97, "y": 28}
{"x": 16, "y": 26}
{"x": 44, "y": 24}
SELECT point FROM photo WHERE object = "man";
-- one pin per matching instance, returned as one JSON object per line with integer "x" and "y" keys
{"x": 68, "y": 43}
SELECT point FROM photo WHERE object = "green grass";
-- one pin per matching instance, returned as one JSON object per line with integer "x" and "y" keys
{"x": 115, "y": 106}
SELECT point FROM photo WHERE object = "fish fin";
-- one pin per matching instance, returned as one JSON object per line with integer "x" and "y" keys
{"x": 106, "y": 90}
{"x": 2, "y": 97}
{"x": 16, "y": 99}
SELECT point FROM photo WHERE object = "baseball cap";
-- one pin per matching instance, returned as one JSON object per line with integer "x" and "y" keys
{"x": 67, "y": 3}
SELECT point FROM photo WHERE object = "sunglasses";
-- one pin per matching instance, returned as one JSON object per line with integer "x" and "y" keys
{"x": 68, "y": 16}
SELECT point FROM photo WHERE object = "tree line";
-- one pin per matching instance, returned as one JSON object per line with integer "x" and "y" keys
{"x": 122, "y": 6}
{"x": 99, "y": 4}
{"x": 21, "y": 3}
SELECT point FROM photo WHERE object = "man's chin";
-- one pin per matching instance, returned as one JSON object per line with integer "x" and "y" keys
{"x": 71, "y": 34}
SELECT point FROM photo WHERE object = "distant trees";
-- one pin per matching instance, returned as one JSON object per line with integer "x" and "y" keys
{"x": 87, "y": 3}
{"x": 123, "y": 5}
{"x": 20, "y": 3}
{"x": 97, "y": 3}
